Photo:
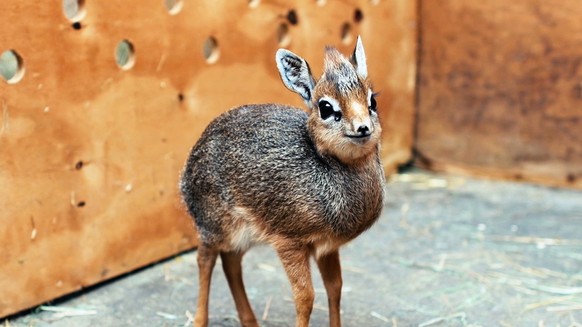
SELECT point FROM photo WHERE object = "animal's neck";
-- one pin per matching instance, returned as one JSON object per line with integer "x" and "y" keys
{"x": 356, "y": 194}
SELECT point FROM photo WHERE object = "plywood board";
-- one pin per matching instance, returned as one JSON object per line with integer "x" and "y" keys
{"x": 500, "y": 91}
{"x": 90, "y": 153}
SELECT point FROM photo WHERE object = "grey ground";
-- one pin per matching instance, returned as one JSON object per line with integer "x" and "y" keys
{"x": 447, "y": 251}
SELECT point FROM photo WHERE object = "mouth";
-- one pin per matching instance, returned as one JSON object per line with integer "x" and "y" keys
{"x": 359, "y": 139}
{"x": 358, "y": 136}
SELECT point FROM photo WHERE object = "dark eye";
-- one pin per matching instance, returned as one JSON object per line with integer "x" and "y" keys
{"x": 326, "y": 111}
{"x": 372, "y": 103}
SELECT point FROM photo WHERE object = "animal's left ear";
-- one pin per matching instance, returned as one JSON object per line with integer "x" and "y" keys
{"x": 358, "y": 58}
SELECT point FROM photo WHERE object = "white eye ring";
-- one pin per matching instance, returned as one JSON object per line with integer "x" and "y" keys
{"x": 371, "y": 103}
{"x": 335, "y": 106}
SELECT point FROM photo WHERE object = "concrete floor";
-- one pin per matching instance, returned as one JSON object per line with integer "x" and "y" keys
{"x": 448, "y": 251}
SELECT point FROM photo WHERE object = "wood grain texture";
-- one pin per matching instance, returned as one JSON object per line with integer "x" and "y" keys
{"x": 500, "y": 91}
{"x": 90, "y": 154}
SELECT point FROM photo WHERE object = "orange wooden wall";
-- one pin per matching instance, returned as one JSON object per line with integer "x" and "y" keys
{"x": 90, "y": 153}
{"x": 500, "y": 91}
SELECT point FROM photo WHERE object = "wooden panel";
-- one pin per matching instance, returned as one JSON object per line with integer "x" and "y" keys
{"x": 90, "y": 153}
{"x": 500, "y": 92}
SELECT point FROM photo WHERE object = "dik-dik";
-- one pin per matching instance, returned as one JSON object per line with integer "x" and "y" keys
{"x": 306, "y": 183}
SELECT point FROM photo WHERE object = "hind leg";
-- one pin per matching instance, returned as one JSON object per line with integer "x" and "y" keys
{"x": 206, "y": 260}
{"x": 231, "y": 264}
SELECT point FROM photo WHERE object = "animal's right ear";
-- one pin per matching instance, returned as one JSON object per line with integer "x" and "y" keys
{"x": 295, "y": 73}
{"x": 358, "y": 59}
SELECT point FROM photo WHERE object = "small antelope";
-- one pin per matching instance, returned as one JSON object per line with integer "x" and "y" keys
{"x": 306, "y": 183}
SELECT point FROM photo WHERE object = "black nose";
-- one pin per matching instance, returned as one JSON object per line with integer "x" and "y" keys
{"x": 364, "y": 130}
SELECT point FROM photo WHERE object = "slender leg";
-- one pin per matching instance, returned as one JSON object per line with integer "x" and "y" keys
{"x": 329, "y": 266}
{"x": 296, "y": 263}
{"x": 206, "y": 260}
{"x": 231, "y": 264}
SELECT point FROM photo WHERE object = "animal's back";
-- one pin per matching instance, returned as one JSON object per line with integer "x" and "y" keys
{"x": 259, "y": 163}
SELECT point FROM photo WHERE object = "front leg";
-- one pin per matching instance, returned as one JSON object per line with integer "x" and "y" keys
{"x": 331, "y": 273}
{"x": 295, "y": 259}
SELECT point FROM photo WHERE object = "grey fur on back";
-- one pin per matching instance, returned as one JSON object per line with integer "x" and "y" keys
{"x": 262, "y": 158}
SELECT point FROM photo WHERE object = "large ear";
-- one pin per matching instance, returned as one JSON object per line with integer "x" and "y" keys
{"x": 358, "y": 59}
{"x": 295, "y": 73}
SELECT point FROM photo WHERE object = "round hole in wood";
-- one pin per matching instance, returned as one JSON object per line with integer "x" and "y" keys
{"x": 210, "y": 50}
{"x": 74, "y": 9}
{"x": 125, "y": 55}
{"x": 358, "y": 15}
{"x": 283, "y": 36}
{"x": 173, "y": 6}
{"x": 76, "y": 26}
{"x": 292, "y": 17}
{"x": 254, "y": 3}
{"x": 11, "y": 66}
{"x": 346, "y": 33}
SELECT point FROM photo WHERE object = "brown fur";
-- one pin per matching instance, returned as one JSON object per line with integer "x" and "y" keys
{"x": 302, "y": 183}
